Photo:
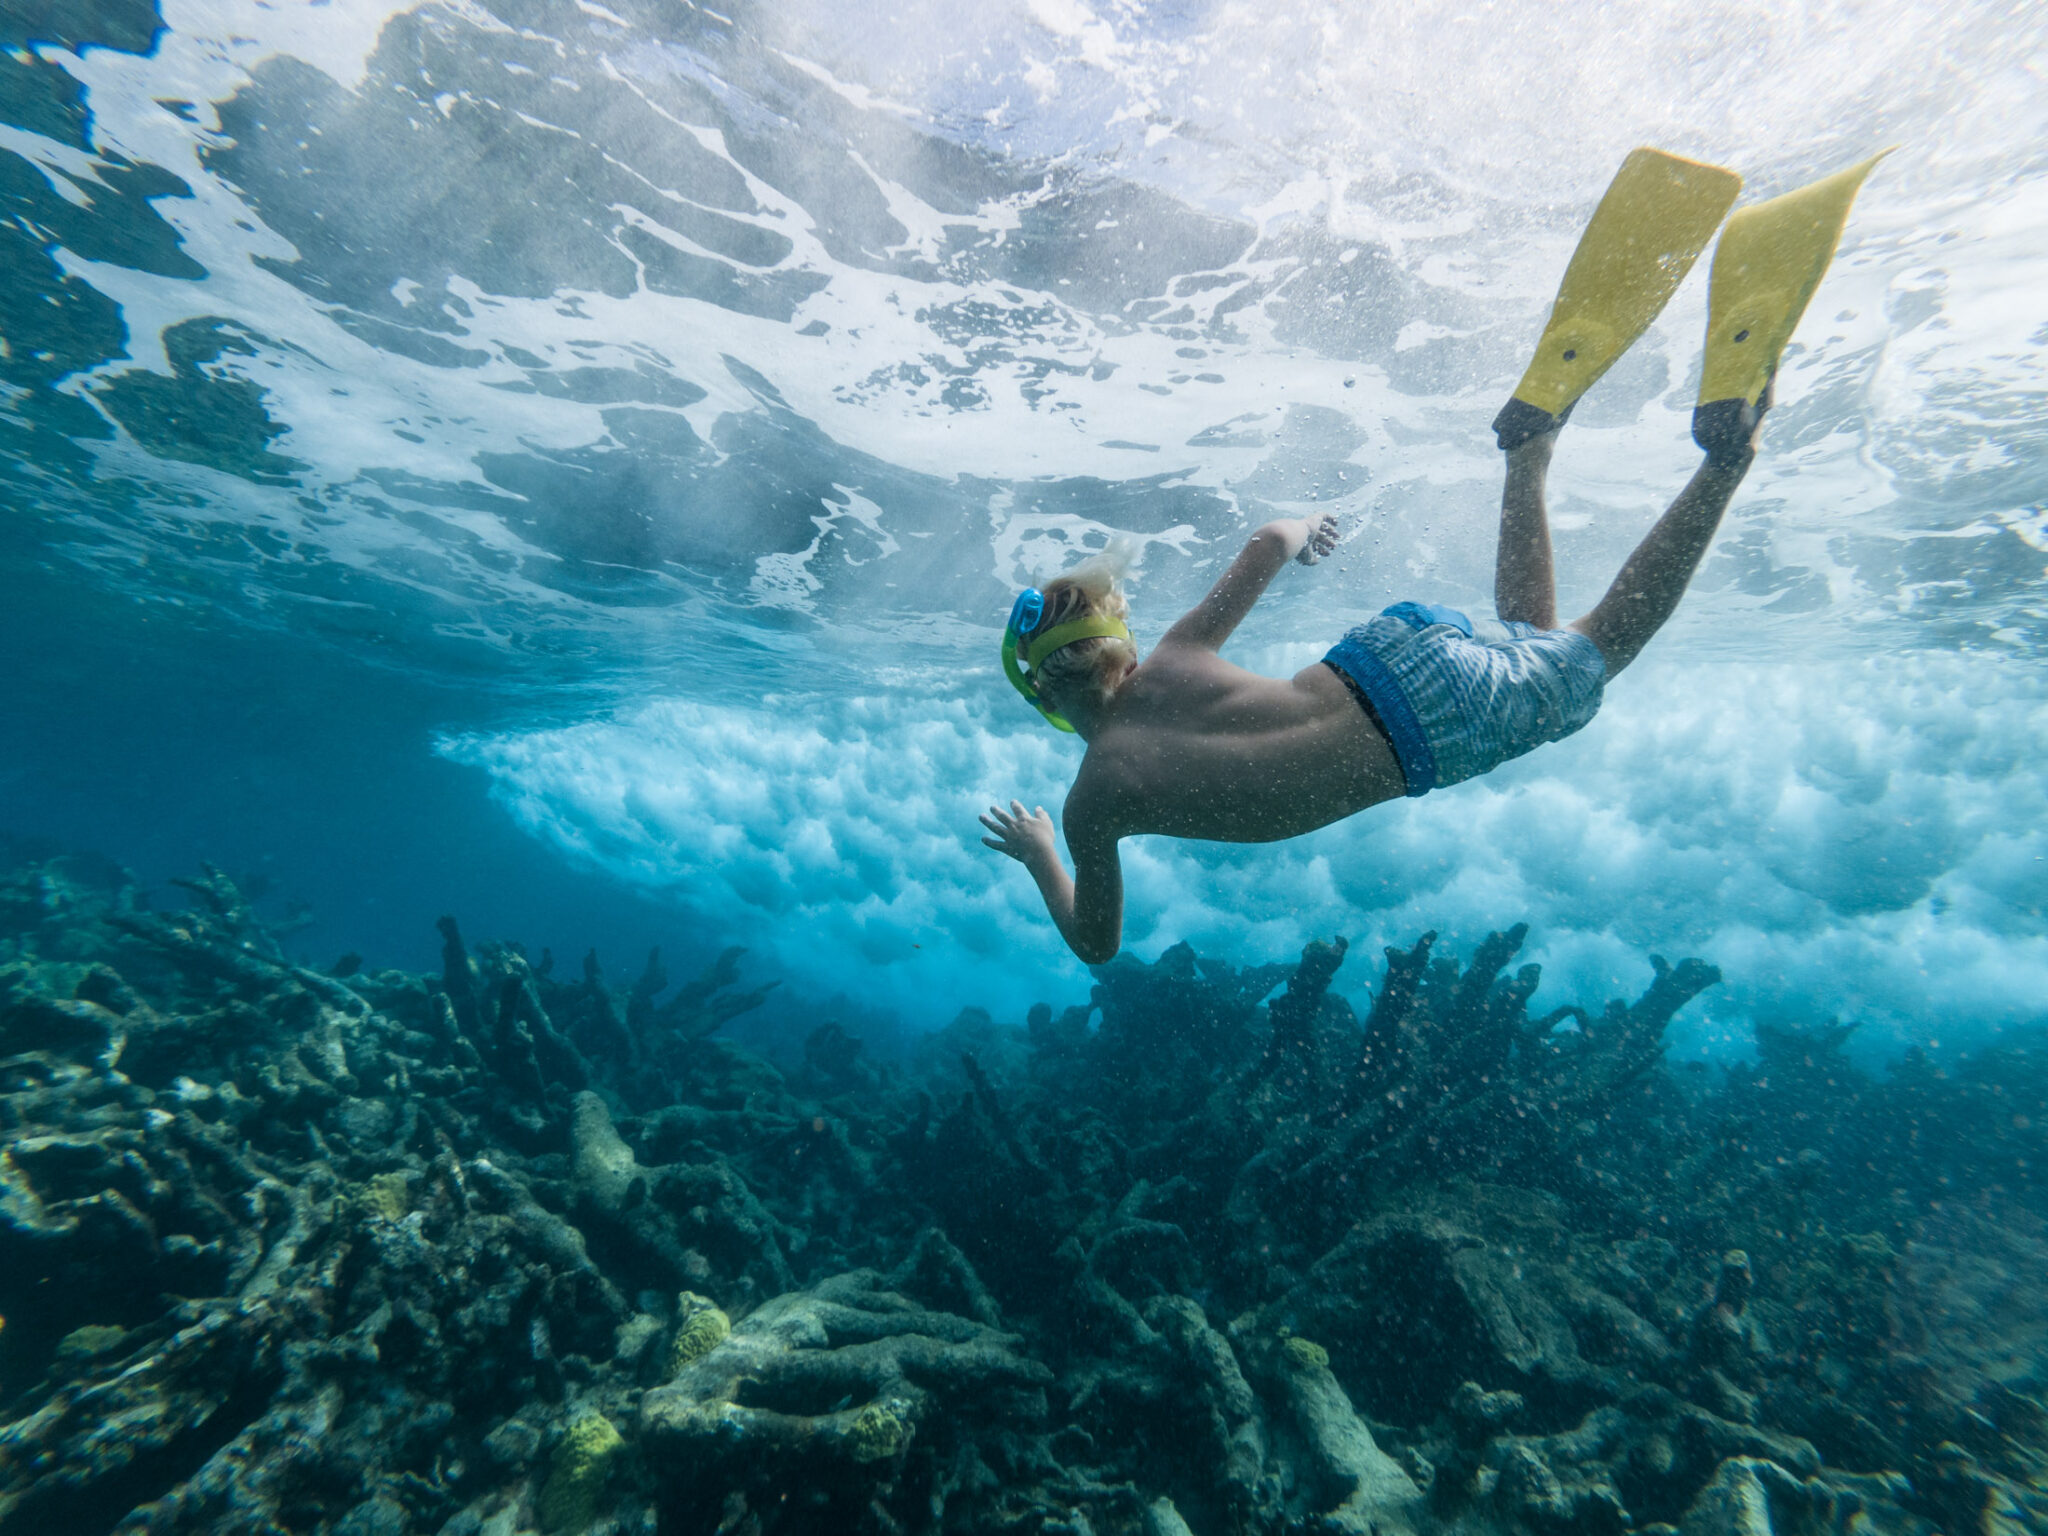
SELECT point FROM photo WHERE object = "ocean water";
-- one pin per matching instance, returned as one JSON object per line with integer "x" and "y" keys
{"x": 632, "y": 430}
{"x": 567, "y": 465}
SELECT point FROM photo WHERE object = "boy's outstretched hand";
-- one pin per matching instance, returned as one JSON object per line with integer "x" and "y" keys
{"x": 1026, "y": 836}
{"x": 1322, "y": 537}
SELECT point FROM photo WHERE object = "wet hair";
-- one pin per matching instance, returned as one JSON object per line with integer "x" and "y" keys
{"x": 1092, "y": 589}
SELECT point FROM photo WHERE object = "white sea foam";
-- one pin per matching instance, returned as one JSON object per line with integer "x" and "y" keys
{"x": 1861, "y": 839}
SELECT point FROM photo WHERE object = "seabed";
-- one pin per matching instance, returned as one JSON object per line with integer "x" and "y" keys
{"x": 500, "y": 1250}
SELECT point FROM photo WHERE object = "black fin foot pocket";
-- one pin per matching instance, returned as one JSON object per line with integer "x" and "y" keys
{"x": 1519, "y": 421}
{"x": 1726, "y": 429}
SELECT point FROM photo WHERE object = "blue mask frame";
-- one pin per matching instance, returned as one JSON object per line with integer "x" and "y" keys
{"x": 1025, "y": 616}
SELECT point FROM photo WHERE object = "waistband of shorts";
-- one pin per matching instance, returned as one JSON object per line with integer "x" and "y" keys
{"x": 1379, "y": 688}
{"x": 1422, "y": 615}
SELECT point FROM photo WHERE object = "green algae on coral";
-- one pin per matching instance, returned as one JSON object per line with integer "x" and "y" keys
{"x": 878, "y": 1432}
{"x": 702, "y": 1329}
{"x": 1304, "y": 1354}
{"x": 387, "y": 1195}
{"x": 582, "y": 1463}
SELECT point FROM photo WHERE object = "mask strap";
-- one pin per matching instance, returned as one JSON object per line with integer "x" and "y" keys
{"x": 1062, "y": 635}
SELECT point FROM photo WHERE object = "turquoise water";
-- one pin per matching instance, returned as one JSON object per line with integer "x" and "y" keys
{"x": 495, "y": 482}
{"x": 570, "y": 465}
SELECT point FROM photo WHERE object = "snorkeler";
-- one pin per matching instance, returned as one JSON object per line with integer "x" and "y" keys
{"x": 1187, "y": 744}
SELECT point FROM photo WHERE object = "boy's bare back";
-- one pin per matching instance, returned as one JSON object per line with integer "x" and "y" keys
{"x": 1195, "y": 746}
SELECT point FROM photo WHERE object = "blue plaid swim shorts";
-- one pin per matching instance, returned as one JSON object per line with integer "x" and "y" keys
{"x": 1456, "y": 698}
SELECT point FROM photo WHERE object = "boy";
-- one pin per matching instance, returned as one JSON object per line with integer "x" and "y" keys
{"x": 1190, "y": 745}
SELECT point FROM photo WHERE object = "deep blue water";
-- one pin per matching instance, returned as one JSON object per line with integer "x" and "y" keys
{"x": 567, "y": 465}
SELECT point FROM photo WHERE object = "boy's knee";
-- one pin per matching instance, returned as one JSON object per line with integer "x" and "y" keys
{"x": 1616, "y": 651}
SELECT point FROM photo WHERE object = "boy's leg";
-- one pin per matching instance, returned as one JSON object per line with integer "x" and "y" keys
{"x": 1653, "y": 579}
{"x": 1524, "y": 586}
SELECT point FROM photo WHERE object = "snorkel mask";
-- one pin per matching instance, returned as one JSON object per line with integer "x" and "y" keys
{"x": 1024, "y": 616}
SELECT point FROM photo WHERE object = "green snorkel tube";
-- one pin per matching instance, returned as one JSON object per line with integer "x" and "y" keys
{"x": 1025, "y": 614}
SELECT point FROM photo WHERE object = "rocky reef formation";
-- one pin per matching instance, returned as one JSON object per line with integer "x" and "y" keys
{"x": 358, "y": 1253}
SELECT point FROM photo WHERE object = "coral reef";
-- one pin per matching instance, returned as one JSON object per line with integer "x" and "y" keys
{"x": 827, "y": 1390}
{"x": 582, "y": 1463}
{"x": 366, "y": 1253}
{"x": 700, "y": 1328}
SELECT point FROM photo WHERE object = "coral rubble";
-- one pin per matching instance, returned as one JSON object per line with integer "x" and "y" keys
{"x": 367, "y": 1253}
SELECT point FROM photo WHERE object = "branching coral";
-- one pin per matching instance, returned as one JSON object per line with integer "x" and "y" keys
{"x": 828, "y": 1389}
{"x": 369, "y": 1252}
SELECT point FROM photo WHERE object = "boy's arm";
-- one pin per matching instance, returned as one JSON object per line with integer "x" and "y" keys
{"x": 1209, "y": 623}
{"x": 1088, "y": 909}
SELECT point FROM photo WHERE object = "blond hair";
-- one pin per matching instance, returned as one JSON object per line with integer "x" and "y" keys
{"x": 1091, "y": 590}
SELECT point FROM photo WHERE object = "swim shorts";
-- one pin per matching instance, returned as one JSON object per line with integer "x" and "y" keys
{"x": 1456, "y": 698}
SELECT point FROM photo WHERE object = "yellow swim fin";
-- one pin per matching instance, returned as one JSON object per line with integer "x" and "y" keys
{"x": 1770, "y": 260}
{"x": 1656, "y": 217}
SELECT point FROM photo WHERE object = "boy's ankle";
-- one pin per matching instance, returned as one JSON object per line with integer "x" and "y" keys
{"x": 1730, "y": 461}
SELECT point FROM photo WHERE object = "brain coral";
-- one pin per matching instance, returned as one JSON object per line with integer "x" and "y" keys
{"x": 583, "y": 1460}
{"x": 702, "y": 1329}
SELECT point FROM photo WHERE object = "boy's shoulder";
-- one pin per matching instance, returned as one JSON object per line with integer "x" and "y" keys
{"x": 1171, "y": 661}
